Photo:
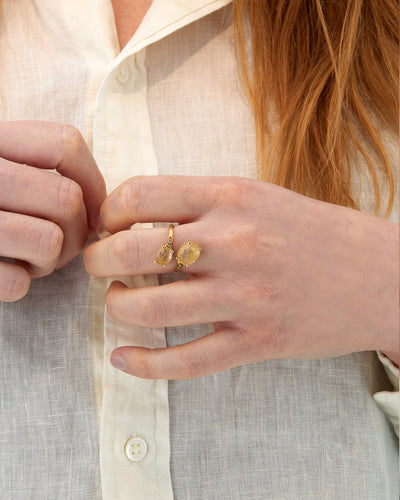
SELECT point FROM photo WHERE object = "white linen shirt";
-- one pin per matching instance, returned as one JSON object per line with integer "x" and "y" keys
{"x": 72, "y": 426}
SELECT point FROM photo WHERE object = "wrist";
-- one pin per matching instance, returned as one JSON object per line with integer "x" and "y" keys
{"x": 386, "y": 279}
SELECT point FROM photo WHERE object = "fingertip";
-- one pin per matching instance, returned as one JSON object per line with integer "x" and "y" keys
{"x": 104, "y": 216}
{"x": 115, "y": 285}
{"x": 110, "y": 296}
{"x": 15, "y": 282}
{"x": 115, "y": 212}
{"x": 118, "y": 360}
{"x": 94, "y": 210}
{"x": 103, "y": 212}
{"x": 102, "y": 188}
{"x": 24, "y": 284}
{"x": 86, "y": 258}
{"x": 135, "y": 360}
{"x": 96, "y": 199}
{"x": 125, "y": 359}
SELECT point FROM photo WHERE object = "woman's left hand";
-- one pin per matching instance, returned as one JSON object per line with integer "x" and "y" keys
{"x": 280, "y": 275}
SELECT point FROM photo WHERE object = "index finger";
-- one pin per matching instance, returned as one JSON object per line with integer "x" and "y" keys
{"x": 159, "y": 199}
{"x": 56, "y": 146}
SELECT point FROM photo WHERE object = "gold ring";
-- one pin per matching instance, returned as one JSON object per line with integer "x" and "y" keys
{"x": 165, "y": 254}
{"x": 187, "y": 254}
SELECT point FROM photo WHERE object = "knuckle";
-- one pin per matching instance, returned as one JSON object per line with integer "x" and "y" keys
{"x": 232, "y": 295}
{"x": 273, "y": 339}
{"x": 270, "y": 332}
{"x": 49, "y": 240}
{"x": 69, "y": 197}
{"x": 90, "y": 259}
{"x": 249, "y": 243}
{"x": 244, "y": 340}
{"x": 256, "y": 290}
{"x": 130, "y": 196}
{"x": 125, "y": 250}
{"x": 234, "y": 192}
{"x": 252, "y": 295}
{"x": 243, "y": 235}
{"x": 244, "y": 242}
{"x": 265, "y": 339}
{"x": 153, "y": 312}
{"x": 191, "y": 363}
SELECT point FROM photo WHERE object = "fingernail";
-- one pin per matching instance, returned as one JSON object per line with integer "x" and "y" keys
{"x": 118, "y": 361}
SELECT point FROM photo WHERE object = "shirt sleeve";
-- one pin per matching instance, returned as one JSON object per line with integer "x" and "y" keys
{"x": 389, "y": 401}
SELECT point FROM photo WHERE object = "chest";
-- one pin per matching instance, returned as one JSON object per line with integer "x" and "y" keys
{"x": 128, "y": 15}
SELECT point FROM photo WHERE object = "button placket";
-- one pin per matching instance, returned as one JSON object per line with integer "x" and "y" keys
{"x": 138, "y": 460}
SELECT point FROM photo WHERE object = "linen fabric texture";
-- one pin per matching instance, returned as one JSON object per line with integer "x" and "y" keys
{"x": 169, "y": 103}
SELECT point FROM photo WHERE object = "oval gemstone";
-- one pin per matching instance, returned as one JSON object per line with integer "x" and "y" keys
{"x": 164, "y": 255}
{"x": 188, "y": 253}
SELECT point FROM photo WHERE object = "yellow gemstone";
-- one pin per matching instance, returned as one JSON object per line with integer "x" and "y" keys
{"x": 164, "y": 255}
{"x": 188, "y": 253}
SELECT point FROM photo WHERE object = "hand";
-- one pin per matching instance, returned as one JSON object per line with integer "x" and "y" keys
{"x": 280, "y": 275}
{"x": 44, "y": 217}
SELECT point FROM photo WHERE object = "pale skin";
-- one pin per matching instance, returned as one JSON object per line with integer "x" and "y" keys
{"x": 279, "y": 276}
{"x": 45, "y": 218}
{"x": 128, "y": 15}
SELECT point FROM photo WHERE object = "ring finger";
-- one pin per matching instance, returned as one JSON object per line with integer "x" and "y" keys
{"x": 133, "y": 252}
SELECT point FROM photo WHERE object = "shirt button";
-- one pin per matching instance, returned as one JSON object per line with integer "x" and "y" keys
{"x": 123, "y": 74}
{"x": 135, "y": 449}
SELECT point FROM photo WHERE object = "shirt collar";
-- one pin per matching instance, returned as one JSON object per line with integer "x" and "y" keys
{"x": 165, "y": 17}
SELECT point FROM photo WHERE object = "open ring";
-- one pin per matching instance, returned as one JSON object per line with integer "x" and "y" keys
{"x": 165, "y": 254}
{"x": 187, "y": 254}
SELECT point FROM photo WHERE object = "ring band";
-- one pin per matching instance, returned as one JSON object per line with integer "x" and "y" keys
{"x": 187, "y": 254}
{"x": 165, "y": 254}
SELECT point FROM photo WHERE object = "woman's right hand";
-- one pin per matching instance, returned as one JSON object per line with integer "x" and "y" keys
{"x": 44, "y": 217}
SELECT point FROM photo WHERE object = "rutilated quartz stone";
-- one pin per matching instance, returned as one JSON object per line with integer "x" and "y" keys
{"x": 164, "y": 256}
{"x": 188, "y": 253}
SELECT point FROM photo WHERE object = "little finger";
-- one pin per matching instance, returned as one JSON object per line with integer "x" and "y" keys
{"x": 221, "y": 350}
